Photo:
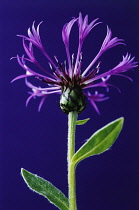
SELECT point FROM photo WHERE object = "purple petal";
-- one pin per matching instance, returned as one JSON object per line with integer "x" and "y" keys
{"x": 21, "y": 77}
{"x": 84, "y": 27}
{"x": 94, "y": 105}
{"x": 41, "y": 103}
{"x": 21, "y": 62}
{"x": 35, "y": 39}
{"x": 65, "y": 36}
{"x": 66, "y": 31}
{"x": 126, "y": 64}
{"x": 107, "y": 44}
{"x": 29, "y": 98}
{"x": 95, "y": 98}
{"x": 29, "y": 50}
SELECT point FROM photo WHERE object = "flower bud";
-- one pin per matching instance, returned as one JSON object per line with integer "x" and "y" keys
{"x": 72, "y": 99}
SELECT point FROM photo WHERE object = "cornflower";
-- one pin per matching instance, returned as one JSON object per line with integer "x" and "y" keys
{"x": 71, "y": 81}
{"x": 68, "y": 78}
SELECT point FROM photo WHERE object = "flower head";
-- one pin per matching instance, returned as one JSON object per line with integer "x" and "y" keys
{"x": 68, "y": 78}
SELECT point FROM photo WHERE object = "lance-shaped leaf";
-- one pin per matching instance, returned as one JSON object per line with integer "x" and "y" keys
{"x": 100, "y": 141}
{"x": 82, "y": 122}
{"x": 45, "y": 188}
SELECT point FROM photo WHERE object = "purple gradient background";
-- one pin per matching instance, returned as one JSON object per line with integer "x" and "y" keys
{"x": 38, "y": 141}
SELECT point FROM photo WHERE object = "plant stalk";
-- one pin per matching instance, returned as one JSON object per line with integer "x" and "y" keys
{"x": 72, "y": 117}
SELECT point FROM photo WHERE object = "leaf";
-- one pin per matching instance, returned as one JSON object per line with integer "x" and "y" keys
{"x": 82, "y": 122}
{"x": 100, "y": 141}
{"x": 45, "y": 188}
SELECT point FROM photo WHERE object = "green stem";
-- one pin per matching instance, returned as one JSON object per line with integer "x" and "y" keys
{"x": 72, "y": 117}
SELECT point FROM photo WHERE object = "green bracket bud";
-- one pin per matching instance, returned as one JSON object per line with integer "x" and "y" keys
{"x": 72, "y": 99}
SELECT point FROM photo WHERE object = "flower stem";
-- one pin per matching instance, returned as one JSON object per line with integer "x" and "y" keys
{"x": 72, "y": 117}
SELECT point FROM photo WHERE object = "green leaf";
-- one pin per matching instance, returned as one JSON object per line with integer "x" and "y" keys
{"x": 45, "y": 188}
{"x": 82, "y": 122}
{"x": 100, "y": 141}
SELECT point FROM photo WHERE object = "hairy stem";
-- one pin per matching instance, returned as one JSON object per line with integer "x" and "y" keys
{"x": 72, "y": 117}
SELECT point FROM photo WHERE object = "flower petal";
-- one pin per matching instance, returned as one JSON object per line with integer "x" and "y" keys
{"x": 84, "y": 27}
{"x": 107, "y": 44}
{"x": 96, "y": 98}
{"x": 41, "y": 103}
{"x": 66, "y": 31}
{"x": 126, "y": 64}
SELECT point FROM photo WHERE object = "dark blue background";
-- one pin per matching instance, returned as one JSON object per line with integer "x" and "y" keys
{"x": 38, "y": 141}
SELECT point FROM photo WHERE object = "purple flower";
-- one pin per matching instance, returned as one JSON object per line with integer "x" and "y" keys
{"x": 68, "y": 78}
